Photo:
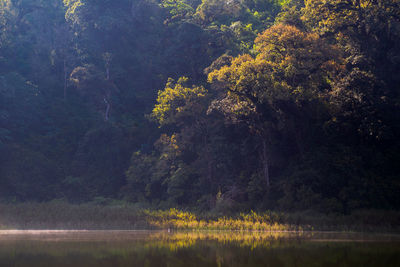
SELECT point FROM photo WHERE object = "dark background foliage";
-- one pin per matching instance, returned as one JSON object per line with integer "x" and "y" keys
{"x": 288, "y": 105}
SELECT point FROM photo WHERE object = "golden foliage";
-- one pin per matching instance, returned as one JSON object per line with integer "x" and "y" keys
{"x": 176, "y": 100}
{"x": 72, "y": 6}
{"x": 342, "y": 15}
{"x": 290, "y": 64}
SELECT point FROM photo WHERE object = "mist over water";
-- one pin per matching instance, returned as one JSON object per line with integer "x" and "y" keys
{"x": 198, "y": 248}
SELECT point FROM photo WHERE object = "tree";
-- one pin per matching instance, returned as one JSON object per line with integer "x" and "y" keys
{"x": 178, "y": 9}
{"x": 176, "y": 100}
{"x": 183, "y": 108}
{"x": 271, "y": 91}
{"x": 92, "y": 85}
{"x": 369, "y": 87}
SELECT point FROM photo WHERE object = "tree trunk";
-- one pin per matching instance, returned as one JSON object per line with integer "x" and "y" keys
{"x": 108, "y": 106}
{"x": 265, "y": 163}
{"x": 209, "y": 161}
{"x": 298, "y": 139}
{"x": 65, "y": 79}
{"x": 107, "y": 73}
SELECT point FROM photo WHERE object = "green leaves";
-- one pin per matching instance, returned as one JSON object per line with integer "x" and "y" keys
{"x": 176, "y": 100}
{"x": 178, "y": 8}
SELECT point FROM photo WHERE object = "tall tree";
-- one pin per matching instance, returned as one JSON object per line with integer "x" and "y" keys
{"x": 272, "y": 91}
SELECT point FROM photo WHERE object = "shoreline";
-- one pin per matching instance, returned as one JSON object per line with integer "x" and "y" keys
{"x": 89, "y": 217}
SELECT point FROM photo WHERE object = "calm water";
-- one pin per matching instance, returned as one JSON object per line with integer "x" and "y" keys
{"x": 146, "y": 248}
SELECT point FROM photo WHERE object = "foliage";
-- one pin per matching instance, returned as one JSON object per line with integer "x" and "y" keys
{"x": 176, "y": 100}
{"x": 293, "y": 105}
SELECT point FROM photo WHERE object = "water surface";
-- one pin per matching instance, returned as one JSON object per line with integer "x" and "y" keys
{"x": 199, "y": 248}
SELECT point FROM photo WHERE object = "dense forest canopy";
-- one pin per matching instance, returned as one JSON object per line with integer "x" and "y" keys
{"x": 205, "y": 104}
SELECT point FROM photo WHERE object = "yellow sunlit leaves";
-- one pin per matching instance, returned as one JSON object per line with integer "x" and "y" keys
{"x": 177, "y": 219}
{"x": 175, "y": 99}
{"x": 290, "y": 62}
{"x": 170, "y": 146}
{"x": 341, "y": 15}
{"x": 72, "y": 5}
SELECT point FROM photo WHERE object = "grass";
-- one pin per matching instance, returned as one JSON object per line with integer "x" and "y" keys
{"x": 68, "y": 216}
{"x": 60, "y": 215}
{"x": 176, "y": 219}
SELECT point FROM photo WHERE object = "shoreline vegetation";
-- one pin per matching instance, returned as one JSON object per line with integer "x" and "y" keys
{"x": 64, "y": 216}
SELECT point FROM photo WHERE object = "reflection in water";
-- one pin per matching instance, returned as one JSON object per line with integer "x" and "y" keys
{"x": 197, "y": 248}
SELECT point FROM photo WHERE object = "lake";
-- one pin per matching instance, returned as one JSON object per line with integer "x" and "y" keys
{"x": 196, "y": 248}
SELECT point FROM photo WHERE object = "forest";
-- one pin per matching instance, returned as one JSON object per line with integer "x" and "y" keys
{"x": 237, "y": 105}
